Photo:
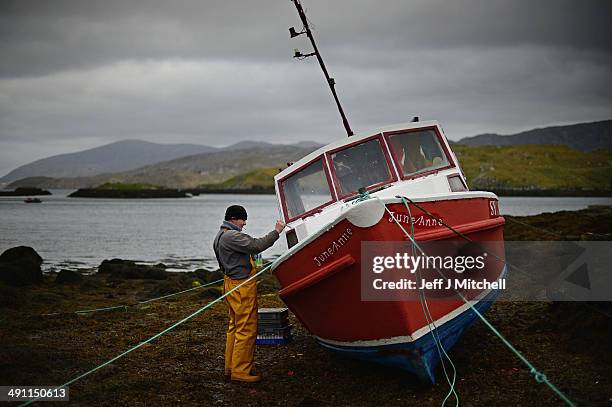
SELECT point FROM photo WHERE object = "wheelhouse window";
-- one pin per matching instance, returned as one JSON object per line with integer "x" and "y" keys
{"x": 418, "y": 151}
{"x": 306, "y": 190}
{"x": 362, "y": 165}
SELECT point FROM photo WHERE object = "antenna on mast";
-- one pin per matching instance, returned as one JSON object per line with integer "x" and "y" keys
{"x": 297, "y": 54}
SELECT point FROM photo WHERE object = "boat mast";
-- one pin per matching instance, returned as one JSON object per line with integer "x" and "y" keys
{"x": 330, "y": 81}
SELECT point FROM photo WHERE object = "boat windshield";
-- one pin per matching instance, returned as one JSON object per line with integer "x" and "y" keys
{"x": 362, "y": 165}
{"x": 306, "y": 190}
{"x": 417, "y": 151}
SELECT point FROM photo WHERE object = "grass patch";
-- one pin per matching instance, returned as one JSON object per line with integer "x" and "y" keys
{"x": 535, "y": 167}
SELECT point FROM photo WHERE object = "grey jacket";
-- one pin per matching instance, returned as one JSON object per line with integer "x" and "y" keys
{"x": 233, "y": 250}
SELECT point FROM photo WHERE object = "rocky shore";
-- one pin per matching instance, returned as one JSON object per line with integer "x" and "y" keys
{"x": 44, "y": 342}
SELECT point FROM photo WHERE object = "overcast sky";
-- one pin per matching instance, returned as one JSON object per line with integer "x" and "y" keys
{"x": 79, "y": 74}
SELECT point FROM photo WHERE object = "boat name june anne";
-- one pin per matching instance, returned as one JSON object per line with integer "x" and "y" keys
{"x": 333, "y": 247}
{"x": 421, "y": 220}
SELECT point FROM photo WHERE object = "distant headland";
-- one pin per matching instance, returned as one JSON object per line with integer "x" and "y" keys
{"x": 25, "y": 192}
{"x": 120, "y": 190}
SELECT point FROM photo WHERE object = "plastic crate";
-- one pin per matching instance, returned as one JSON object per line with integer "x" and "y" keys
{"x": 273, "y": 323}
{"x": 271, "y": 315}
{"x": 273, "y": 341}
{"x": 282, "y": 331}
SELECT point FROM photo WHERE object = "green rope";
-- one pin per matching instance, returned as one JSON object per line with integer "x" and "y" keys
{"x": 171, "y": 327}
{"x": 538, "y": 376}
{"x": 512, "y": 266}
{"x": 181, "y": 292}
{"x": 126, "y": 306}
{"x": 363, "y": 196}
{"x": 434, "y": 332}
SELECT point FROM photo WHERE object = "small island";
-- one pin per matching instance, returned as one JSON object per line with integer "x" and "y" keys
{"x": 25, "y": 192}
{"x": 121, "y": 190}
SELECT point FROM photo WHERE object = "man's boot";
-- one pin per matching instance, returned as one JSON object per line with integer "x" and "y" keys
{"x": 246, "y": 378}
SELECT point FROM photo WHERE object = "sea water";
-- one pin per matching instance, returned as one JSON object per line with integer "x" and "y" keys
{"x": 78, "y": 233}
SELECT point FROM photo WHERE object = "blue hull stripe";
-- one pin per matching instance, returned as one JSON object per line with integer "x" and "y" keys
{"x": 421, "y": 356}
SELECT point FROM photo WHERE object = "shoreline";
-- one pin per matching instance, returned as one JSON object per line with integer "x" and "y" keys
{"x": 46, "y": 343}
{"x": 181, "y": 192}
{"x": 190, "y": 263}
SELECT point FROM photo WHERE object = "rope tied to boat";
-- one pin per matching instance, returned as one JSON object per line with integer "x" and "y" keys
{"x": 141, "y": 344}
{"x": 126, "y": 306}
{"x": 434, "y": 332}
{"x": 364, "y": 195}
{"x": 458, "y": 233}
{"x": 538, "y": 376}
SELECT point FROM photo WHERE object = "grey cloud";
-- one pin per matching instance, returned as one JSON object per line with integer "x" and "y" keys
{"x": 77, "y": 74}
{"x": 45, "y": 37}
{"x": 41, "y": 37}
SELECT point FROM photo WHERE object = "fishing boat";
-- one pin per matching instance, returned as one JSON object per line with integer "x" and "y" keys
{"x": 400, "y": 183}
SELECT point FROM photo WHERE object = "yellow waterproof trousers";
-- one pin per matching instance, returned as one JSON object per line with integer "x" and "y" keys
{"x": 242, "y": 330}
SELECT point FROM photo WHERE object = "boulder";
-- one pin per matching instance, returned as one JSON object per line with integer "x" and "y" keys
{"x": 142, "y": 272}
{"x": 20, "y": 266}
{"x": 68, "y": 276}
{"x": 20, "y": 253}
{"x": 208, "y": 276}
{"x": 128, "y": 269}
{"x": 108, "y": 266}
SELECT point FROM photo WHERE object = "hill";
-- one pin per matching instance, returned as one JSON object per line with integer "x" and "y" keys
{"x": 527, "y": 167}
{"x": 582, "y": 136}
{"x": 509, "y": 168}
{"x": 259, "y": 181}
{"x": 120, "y": 156}
{"x": 533, "y": 167}
{"x": 128, "y": 155}
{"x": 506, "y": 168}
{"x": 191, "y": 171}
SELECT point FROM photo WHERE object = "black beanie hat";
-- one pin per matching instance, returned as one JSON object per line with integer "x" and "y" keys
{"x": 235, "y": 212}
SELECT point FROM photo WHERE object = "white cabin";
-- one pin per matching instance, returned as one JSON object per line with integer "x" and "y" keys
{"x": 412, "y": 159}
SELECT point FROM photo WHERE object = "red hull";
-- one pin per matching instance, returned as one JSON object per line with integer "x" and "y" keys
{"x": 323, "y": 288}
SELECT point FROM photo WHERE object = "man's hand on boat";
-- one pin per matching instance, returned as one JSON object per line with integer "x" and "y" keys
{"x": 280, "y": 225}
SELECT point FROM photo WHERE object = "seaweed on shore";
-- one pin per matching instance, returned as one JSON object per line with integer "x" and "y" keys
{"x": 570, "y": 342}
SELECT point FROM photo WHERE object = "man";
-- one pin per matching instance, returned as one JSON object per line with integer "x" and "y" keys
{"x": 234, "y": 251}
